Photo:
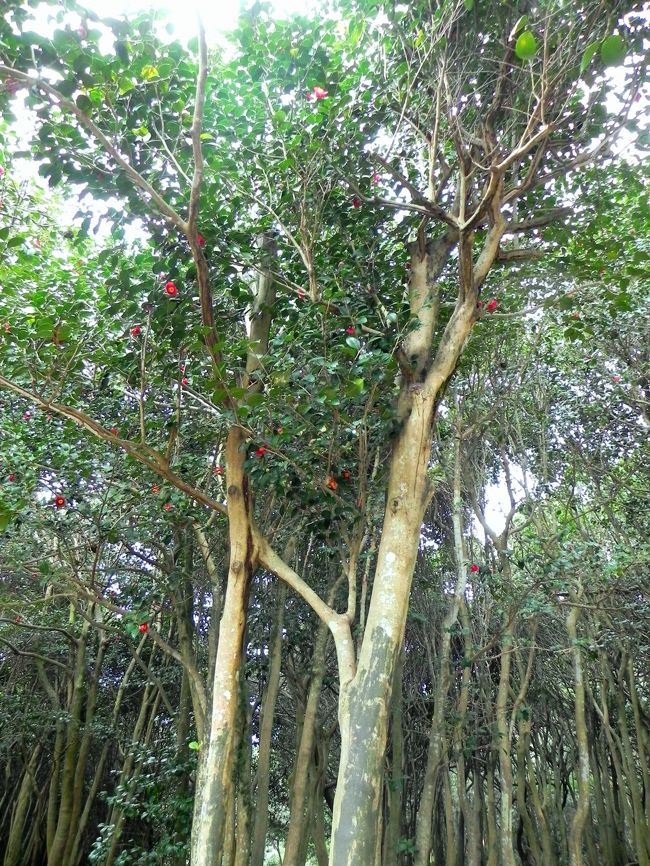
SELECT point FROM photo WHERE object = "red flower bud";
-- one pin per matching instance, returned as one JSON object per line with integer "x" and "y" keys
{"x": 185, "y": 381}
{"x": 143, "y": 628}
{"x": 345, "y": 475}
{"x": 331, "y": 483}
{"x": 114, "y": 431}
{"x": 261, "y": 451}
{"x": 474, "y": 568}
{"x": 218, "y": 470}
{"x": 155, "y": 488}
{"x": 11, "y": 477}
{"x": 350, "y": 330}
{"x": 136, "y": 330}
{"x": 200, "y": 239}
{"x": 356, "y": 202}
{"x": 168, "y": 506}
{"x": 491, "y": 305}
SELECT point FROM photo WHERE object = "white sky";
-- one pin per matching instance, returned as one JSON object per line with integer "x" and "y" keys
{"x": 217, "y": 15}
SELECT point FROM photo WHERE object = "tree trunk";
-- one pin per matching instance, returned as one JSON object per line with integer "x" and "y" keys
{"x": 582, "y": 810}
{"x": 215, "y": 773}
{"x": 424, "y": 821}
{"x": 266, "y": 731}
{"x": 16, "y": 830}
{"x": 298, "y": 827}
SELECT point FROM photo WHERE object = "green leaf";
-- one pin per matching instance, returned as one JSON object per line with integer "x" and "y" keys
{"x": 194, "y": 746}
{"x": 149, "y": 72}
{"x": 84, "y": 103}
{"x": 5, "y": 518}
{"x": 526, "y": 46}
{"x": 353, "y": 342}
{"x": 520, "y": 23}
{"x": 469, "y": 5}
{"x": 612, "y": 51}
{"x": 586, "y": 57}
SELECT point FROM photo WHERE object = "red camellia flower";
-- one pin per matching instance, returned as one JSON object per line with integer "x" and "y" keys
{"x": 356, "y": 202}
{"x": 218, "y": 470}
{"x": 11, "y": 477}
{"x": 59, "y": 502}
{"x": 345, "y": 475}
{"x": 320, "y": 93}
{"x": 350, "y": 330}
{"x": 114, "y": 431}
{"x": 200, "y": 239}
{"x": 171, "y": 289}
{"x": 473, "y": 568}
{"x": 185, "y": 381}
{"x": 143, "y": 628}
{"x": 491, "y": 305}
{"x": 261, "y": 451}
{"x": 331, "y": 483}
{"x": 135, "y": 330}
{"x": 155, "y": 488}
{"x": 168, "y": 506}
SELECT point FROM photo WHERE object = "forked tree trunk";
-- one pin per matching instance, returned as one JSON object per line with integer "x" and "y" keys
{"x": 365, "y": 700}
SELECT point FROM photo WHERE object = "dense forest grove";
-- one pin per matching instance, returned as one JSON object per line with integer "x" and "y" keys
{"x": 324, "y": 423}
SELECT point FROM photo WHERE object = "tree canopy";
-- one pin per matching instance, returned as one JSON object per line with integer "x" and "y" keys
{"x": 325, "y": 393}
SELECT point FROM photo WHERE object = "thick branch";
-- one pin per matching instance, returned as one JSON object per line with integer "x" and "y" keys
{"x": 149, "y": 457}
{"x": 164, "y": 209}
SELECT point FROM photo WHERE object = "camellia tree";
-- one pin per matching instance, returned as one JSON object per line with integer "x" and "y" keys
{"x": 305, "y": 231}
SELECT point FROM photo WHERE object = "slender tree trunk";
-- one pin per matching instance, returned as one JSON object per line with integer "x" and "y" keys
{"x": 266, "y": 731}
{"x": 396, "y": 787}
{"x": 15, "y": 837}
{"x": 215, "y": 773}
{"x": 67, "y": 800}
{"x": 424, "y": 821}
{"x": 576, "y": 833}
{"x": 503, "y": 749}
{"x": 298, "y": 827}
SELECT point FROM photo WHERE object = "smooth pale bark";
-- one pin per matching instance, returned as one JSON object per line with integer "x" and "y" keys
{"x": 266, "y": 731}
{"x": 396, "y": 788}
{"x": 576, "y": 833}
{"x": 365, "y": 700}
{"x": 215, "y": 773}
